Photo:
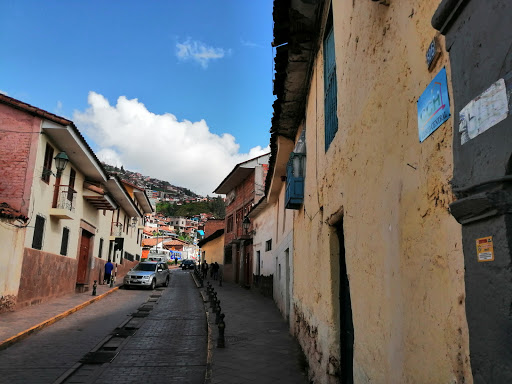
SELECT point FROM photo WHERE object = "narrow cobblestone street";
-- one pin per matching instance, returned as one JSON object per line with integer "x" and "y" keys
{"x": 173, "y": 336}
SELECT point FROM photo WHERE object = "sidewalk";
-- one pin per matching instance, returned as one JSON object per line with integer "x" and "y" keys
{"x": 258, "y": 346}
{"x": 15, "y": 326}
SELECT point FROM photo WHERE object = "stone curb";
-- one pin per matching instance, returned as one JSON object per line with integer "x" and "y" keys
{"x": 20, "y": 336}
{"x": 209, "y": 354}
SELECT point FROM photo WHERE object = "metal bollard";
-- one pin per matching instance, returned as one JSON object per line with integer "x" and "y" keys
{"x": 215, "y": 306}
{"x": 94, "y": 286}
{"x": 217, "y": 313}
{"x": 222, "y": 327}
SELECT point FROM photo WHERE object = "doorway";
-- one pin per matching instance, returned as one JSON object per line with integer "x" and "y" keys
{"x": 248, "y": 269}
{"x": 237, "y": 266}
{"x": 346, "y": 324}
{"x": 83, "y": 257}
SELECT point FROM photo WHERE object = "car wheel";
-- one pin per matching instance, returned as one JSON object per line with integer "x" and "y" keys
{"x": 153, "y": 284}
{"x": 167, "y": 282}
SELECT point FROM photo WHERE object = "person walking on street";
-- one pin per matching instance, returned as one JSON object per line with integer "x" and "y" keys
{"x": 215, "y": 269}
{"x": 204, "y": 269}
{"x": 108, "y": 272}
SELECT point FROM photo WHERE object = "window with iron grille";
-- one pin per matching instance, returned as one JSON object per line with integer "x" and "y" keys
{"x": 47, "y": 166}
{"x": 330, "y": 87}
{"x": 64, "y": 242}
{"x": 268, "y": 245}
{"x": 100, "y": 252}
{"x": 37, "y": 241}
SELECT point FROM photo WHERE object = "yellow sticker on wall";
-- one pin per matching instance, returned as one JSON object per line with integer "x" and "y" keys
{"x": 484, "y": 249}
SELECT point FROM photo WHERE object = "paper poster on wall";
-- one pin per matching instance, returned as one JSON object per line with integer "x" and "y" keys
{"x": 484, "y": 249}
{"x": 488, "y": 109}
{"x": 433, "y": 106}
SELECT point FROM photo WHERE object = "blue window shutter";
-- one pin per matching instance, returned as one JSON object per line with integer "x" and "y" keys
{"x": 330, "y": 89}
{"x": 294, "y": 195}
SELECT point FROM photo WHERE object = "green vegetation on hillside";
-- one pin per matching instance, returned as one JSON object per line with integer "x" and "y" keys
{"x": 214, "y": 206}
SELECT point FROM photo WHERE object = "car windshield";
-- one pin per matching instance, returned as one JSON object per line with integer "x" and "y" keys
{"x": 145, "y": 267}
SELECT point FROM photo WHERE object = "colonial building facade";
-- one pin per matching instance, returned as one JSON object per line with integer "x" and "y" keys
{"x": 77, "y": 215}
{"x": 378, "y": 292}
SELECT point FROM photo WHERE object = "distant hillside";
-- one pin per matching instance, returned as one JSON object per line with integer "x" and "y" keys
{"x": 214, "y": 205}
{"x": 148, "y": 182}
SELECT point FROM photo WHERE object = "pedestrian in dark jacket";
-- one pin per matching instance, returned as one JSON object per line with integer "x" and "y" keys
{"x": 215, "y": 269}
{"x": 108, "y": 272}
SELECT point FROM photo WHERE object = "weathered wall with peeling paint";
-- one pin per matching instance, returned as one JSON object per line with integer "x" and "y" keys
{"x": 403, "y": 249}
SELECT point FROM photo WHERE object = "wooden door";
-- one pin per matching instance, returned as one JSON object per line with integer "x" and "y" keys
{"x": 83, "y": 257}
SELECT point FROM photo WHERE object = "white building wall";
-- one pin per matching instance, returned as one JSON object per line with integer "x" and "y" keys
{"x": 263, "y": 226}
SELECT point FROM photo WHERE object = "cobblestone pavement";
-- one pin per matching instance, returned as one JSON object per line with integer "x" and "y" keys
{"x": 44, "y": 356}
{"x": 170, "y": 345}
{"x": 258, "y": 346}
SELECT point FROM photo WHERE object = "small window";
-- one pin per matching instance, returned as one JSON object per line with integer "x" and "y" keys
{"x": 100, "y": 252}
{"x": 37, "y": 241}
{"x": 230, "y": 224}
{"x": 71, "y": 184}
{"x": 64, "y": 242}
{"x": 330, "y": 86}
{"x": 268, "y": 245}
{"x": 47, "y": 166}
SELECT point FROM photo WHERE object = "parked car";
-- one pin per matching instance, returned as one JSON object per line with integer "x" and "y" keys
{"x": 148, "y": 274}
{"x": 188, "y": 264}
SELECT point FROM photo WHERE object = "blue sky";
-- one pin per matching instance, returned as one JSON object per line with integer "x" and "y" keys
{"x": 192, "y": 79}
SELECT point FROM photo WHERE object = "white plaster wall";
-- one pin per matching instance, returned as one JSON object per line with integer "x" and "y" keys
{"x": 42, "y": 198}
{"x": 264, "y": 224}
{"x": 283, "y": 279}
{"x": 41, "y": 202}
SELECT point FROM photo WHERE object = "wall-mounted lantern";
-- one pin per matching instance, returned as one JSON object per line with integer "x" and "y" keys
{"x": 61, "y": 161}
{"x": 246, "y": 223}
{"x": 295, "y": 174}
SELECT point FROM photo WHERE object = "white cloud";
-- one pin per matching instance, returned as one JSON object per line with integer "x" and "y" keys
{"x": 4, "y": 93}
{"x": 247, "y": 43}
{"x": 58, "y": 109}
{"x": 184, "y": 153}
{"x": 199, "y": 52}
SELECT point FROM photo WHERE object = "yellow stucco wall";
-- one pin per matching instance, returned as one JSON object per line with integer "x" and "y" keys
{"x": 403, "y": 248}
{"x": 214, "y": 250}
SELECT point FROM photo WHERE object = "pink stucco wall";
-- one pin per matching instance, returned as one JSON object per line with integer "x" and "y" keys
{"x": 18, "y": 148}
